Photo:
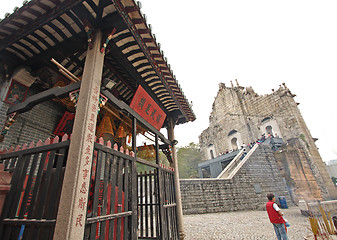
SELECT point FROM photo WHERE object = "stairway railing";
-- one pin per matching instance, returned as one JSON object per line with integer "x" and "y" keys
{"x": 235, "y": 165}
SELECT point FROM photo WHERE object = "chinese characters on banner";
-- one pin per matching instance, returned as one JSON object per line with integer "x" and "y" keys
{"x": 147, "y": 108}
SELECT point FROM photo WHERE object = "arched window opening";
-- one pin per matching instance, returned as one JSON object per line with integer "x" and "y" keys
{"x": 234, "y": 143}
{"x": 269, "y": 130}
{"x": 212, "y": 154}
{"x": 265, "y": 119}
{"x": 232, "y": 132}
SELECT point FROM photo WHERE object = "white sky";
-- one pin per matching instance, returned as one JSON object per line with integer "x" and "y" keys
{"x": 262, "y": 43}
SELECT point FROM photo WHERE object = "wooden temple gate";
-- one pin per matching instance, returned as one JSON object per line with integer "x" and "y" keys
{"x": 157, "y": 205}
{"x": 31, "y": 206}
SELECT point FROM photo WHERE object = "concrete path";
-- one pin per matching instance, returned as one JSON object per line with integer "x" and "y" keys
{"x": 244, "y": 225}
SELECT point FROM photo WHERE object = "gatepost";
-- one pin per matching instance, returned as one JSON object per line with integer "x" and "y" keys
{"x": 72, "y": 211}
{"x": 174, "y": 164}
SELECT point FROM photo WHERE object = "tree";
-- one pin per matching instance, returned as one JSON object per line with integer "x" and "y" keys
{"x": 334, "y": 180}
{"x": 188, "y": 159}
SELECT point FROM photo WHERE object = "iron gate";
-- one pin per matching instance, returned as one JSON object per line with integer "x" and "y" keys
{"x": 157, "y": 205}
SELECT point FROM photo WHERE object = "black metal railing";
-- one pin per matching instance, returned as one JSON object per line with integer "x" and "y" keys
{"x": 157, "y": 209}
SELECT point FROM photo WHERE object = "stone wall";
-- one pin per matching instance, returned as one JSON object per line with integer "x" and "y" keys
{"x": 299, "y": 172}
{"x": 246, "y": 190}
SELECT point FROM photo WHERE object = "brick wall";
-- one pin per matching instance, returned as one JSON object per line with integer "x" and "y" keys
{"x": 260, "y": 172}
{"x": 38, "y": 123}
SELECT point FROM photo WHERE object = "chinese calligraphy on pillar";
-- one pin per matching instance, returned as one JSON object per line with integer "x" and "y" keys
{"x": 85, "y": 163}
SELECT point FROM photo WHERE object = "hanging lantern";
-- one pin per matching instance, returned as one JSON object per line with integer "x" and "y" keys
{"x": 120, "y": 131}
{"x": 106, "y": 127}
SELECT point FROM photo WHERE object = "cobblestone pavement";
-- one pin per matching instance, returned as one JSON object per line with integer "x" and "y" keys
{"x": 243, "y": 225}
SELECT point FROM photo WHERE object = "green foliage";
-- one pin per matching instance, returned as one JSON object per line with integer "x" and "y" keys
{"x": 151, "y": 158}
{"x": 188, "y": 159}
{"x": 301, "y": 136}
{"x": 334, "y": 180}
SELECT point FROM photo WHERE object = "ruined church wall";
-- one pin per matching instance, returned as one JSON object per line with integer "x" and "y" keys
{"x": 246, "y": 190}
{"x": 241, "y": 109}
{"x": 236, "y": 109}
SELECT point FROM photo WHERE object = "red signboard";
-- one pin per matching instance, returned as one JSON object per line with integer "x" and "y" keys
{"x": 146, "y": 107}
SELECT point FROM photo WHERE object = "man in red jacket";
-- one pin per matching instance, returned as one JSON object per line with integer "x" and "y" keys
{"x": 275, "y": 217}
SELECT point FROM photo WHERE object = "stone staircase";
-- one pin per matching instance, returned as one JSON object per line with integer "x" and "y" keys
{"x": 235, "y": 165}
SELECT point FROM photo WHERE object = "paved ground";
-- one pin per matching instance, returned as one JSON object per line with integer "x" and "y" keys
{"x": 243, "y": 225}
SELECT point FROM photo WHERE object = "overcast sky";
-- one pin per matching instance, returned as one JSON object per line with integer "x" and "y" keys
{"x": 262, "y": 43}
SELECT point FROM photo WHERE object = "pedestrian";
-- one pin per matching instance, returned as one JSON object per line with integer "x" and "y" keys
{"x": 275, "y": 217}
{"x": 263, "y": 137}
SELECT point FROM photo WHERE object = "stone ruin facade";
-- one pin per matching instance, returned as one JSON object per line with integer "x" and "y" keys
{"x": 240, "y": 116}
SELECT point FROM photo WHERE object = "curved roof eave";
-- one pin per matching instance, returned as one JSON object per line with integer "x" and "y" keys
{"x": 41, "y": 24}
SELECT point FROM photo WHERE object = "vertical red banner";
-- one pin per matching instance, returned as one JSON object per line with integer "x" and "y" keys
{"x": 146, "y": 107}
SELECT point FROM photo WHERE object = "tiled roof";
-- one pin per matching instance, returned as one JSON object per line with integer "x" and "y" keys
{"x": 42, "y": 29}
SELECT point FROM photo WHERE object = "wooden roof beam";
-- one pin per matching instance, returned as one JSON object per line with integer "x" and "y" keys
{"x": 58, "y": 10}
{"x": 148, "y": 40}
{"x": 2, "y": 34}
{"x": 160, "y": 62}
{"x": 56, "y": 92}
{"x": 56, "y": 2}
{"x": 144, "y": 31}
{"x": 131, "y": 9}
{"x": 43, "y": 6}
{"x": 24, "y": 18}
{"x": 108, "y": 65}
{"x": 8, "y": 29}
{"x": 16, "y": 24}
{"x": 150, "y": 48}
{"x": 163, "y": 68}
{"x": 156, "y": 55}
{"x": 34, "y": 12}
{"x": 138, "y": 20}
